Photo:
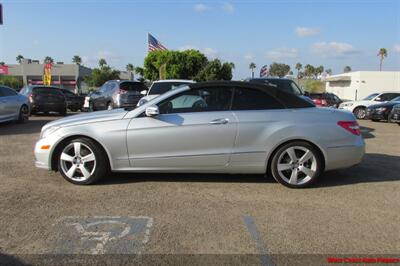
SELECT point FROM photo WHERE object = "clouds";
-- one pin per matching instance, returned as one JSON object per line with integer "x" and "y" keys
{"x": 248, "y": 57}
{"x": 396, "y": 48}
{"x": 303, "y": 32}
{"x": 333, "y": 49}
{"x": 282, "y": 53}
{"x": 226, "y": 7}
{"x": 201, "y": 8}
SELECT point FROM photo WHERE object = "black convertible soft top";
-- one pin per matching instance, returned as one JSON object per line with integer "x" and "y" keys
{"x": 289, "y": 100}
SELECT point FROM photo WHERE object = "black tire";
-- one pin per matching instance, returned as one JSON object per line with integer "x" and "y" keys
{"x": 23, "y": 114}
{"x": 316, "y": 162}
{"x": 101, "y": 162}
{"x": 360, "y": 112}
{"x": 63, "y": 112}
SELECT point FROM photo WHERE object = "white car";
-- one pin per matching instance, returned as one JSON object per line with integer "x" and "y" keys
{"x": 162, "y": 86}
{"x": 359, "y": 108}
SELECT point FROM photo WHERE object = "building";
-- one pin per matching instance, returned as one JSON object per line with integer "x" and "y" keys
{"x": 68, "y": 76}
{"x": 359, "y": 84}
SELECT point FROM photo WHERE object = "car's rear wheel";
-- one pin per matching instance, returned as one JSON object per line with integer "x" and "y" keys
{"x": 23, "y": 114}
{"x": 81, "y": 161}
{"x": 360, "y": 112}
{"x": 296, "y": 164}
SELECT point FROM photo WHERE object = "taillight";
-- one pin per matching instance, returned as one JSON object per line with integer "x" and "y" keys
{"x": 317, "y": 102}
{"x": 351, "y": 126}
{"x": 122, "y": 91}
{"x": 323, "y": 102}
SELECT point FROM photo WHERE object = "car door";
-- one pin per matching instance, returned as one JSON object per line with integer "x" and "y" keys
{"x": 9, "y": 102}
{"x": 258, "y": 115}
{"x": 194, "y": 130}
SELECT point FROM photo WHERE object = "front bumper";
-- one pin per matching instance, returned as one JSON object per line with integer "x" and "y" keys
{"x": 43, "y": 156}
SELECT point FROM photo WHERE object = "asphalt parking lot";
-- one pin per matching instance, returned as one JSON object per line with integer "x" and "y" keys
{"x": 348, "y": 212}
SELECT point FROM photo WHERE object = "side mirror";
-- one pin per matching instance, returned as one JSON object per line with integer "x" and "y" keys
{"x": 378, "y": 99}
{"x": 143, "y": 92}
{"x": 152, "y": 111}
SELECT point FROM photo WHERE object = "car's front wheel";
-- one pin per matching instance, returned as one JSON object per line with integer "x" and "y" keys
{"x": 81, "y": 161}
{"x": 360, "y": 112}
{"x": 296, "y": 164}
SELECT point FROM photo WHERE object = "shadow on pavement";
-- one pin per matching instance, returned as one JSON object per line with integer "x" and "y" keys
{"x": 29, "y": 127}
{"x": 10, "y": 260}
{"x": 366, "y": 132}
{"x": 369, "y": 171}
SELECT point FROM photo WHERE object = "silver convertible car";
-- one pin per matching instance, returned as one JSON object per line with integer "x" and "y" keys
{"x": 211, "y": 127}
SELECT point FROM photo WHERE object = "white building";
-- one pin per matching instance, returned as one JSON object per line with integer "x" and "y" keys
{"x": 359, "y": 84}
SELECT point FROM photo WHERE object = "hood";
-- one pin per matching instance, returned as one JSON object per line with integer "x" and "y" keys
{"x": 386, "y": 104}
{"x": 92, "y": 117}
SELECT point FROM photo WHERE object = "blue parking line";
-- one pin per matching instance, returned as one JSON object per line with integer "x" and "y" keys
{"x": 266, "y": 260}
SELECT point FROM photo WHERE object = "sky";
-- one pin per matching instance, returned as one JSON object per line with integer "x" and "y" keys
{"x": 332, "y": 33}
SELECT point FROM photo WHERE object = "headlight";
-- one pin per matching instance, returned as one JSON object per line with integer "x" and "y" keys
{"x": 141, "y": 102}
{"x": 381, "y": 109}
{"x": 45, "y": 133}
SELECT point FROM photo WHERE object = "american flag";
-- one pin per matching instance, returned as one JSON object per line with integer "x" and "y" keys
{"x": 154, "y": 44}
{"x": 264, "y": 71}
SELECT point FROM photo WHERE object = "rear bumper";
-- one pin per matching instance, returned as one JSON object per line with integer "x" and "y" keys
{"x": 377, "y": 116}
{"x": 345, "y": 156}
{"x": 38, "y": 107}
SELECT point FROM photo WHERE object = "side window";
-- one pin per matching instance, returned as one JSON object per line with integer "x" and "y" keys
{"x": 198, "y": 100}
{"x": 253, "y": 99}
{"x": 387, "y": 96}
{"x": 8, "y": 92}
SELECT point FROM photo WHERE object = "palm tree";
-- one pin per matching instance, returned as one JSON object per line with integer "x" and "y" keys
{"x": 252, "y": 66}
{"x": 19, "y": 58}
{"x": 102, "y": 62}
{"x": 382, "y": 54}
{"x": 48, "y": 59}
{"x": 347, "y": 69}
{"x": 298, "y": 67}
{"x": 328, "y": 71}
{"x": 77, "y": 59}
{"x": 139, "y": 71}
{"x": 130, "y": 68}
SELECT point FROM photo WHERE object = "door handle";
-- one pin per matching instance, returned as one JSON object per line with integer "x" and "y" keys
{"x": 219, "y": 121}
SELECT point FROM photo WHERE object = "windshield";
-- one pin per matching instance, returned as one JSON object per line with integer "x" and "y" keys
{"x": 163, "y": 87}
{"x": 283, "y": 84}
{"x": 397, "y": 99}
{"x": 370, "y": 97}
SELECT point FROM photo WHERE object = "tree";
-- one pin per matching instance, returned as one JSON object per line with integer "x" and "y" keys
{"x": 2, "y": 63}
{"x": 48, "y": 60}
{"x": 252, "y": 66}
{"x": 347, "y": 69}
{"x": 130, "y": 68}
{"x": 328, "y": 71}
{"x": 382, "y": 54}
{"x": 214, "y": 70}
{"x": 19, "y": 58}
{"x": 102, "y": 62}
{"x": 279, "y": 69}
{"x": 99, "y": 76}
{"x": 309, "y": 71}
{"x": 139, "y": 71}
{"x": 178, "y": 64}
{"x": 11, "y": 81}
{"x": 77, "y": 59}
{"x": 319, "y": 70}
{"x": 298, "y": 67}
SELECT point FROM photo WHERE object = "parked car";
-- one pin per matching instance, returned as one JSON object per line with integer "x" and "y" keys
{"x": 359, "y": 108}
{"x": 162, "y": 86}
{"x": 236, "y": 127}
{"x": 74, "y": 101}
{"x": 326, "y": 99}
{"x": 378, "y": 112}
{"x": 117, "y": 94}
{"x": 284, "y": 84}
{"x": 45, "y": 99}
{"x": 394, "y": 115}
{"x": 13, "y": 106}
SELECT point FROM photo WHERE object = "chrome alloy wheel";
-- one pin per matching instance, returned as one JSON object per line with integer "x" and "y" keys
{"x": 297, "y": 165}
{"x": 78, "y": 161}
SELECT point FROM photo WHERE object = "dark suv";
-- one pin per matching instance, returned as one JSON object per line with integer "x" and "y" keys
{"x": 74, "y": 101}
{"x": 326, "y": 99}
{"x": 117, "y": 94}
{"x": 45, "y": 99}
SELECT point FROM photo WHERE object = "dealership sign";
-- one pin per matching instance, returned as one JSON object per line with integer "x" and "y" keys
{"x": 3, "y": 70}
